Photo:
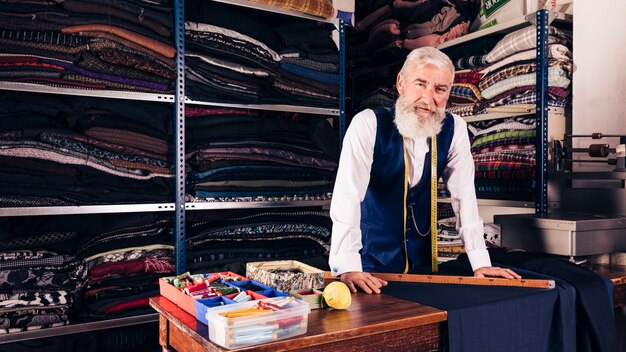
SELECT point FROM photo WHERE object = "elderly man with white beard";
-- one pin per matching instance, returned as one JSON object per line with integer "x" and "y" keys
{"x": 383, "y": 181}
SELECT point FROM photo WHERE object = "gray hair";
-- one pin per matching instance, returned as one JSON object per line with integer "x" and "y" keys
{"x": 427, "y": 55}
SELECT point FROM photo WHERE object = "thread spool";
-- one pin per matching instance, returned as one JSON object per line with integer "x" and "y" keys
{"x": 599, "y": 150}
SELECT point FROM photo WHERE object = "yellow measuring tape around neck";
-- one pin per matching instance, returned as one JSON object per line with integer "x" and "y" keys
{"x": 433, "y": 204}
{"x": 406, "y": 192}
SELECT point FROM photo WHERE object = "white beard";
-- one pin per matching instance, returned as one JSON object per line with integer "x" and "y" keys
{"x": 412, "y": 124}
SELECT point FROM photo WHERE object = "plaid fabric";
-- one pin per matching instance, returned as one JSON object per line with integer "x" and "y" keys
{"x": 321, "y": 8}
{"x": 555, "y": 51}
{"x": 500, "y": 165}
{"x": 553, "y": 93}
{"x": 510, "y": 174}
{"x": 462, "y": 109}
{"x": 520, "y": 40}
{"x": 466, "y": 92}
{"x": 523, "y": 105}
{"x": 512, "y": 108}
{"x": 506, "y": 134}
{"x": 470, "y": 62}
{"x": 556, "y": 77}
{"x": 520, "y": 69}
{"x": 507, "y": 71}
{"x": 507, "y": 124}
{"x": 488, "y": 123}
{"x": 527, "y": 97}
{"x": 526, "y": 156}
{"x": 504, "y": 189}
{"x": 505, "y": 144}
{"x": 467, "y": 77}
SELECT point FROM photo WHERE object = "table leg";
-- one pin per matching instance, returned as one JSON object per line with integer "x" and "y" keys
{"x": 164, "y": 334}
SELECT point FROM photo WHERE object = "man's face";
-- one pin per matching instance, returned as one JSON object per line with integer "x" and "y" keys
{"x": 420, "y": 109}
{"x": 427, "y": 87}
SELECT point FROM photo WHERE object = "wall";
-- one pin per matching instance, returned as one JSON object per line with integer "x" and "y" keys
{"x": 599, "y": 82}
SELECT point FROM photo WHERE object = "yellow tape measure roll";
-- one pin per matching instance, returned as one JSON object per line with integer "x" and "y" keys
{"x": 433, "y": 204}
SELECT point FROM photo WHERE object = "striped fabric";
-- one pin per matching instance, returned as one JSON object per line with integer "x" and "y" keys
{"x": 503, "y": 135}
{"x": 470, "y": 62}
{"x": 526, "y": 156}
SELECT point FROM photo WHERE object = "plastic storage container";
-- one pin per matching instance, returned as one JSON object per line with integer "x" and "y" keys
{"x": 259, "y": 328}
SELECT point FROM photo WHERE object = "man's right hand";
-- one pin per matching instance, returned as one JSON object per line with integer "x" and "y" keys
{"x": 365, "y": 281}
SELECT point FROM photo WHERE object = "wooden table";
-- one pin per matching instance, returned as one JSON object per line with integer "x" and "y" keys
{"x": 378, "y": 321}
{"x": 374, "y": 322}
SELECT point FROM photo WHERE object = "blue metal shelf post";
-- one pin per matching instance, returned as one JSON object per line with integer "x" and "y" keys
{"x": 542, "y": 112}
{"x": 342, "y": 81}
{"x": 179, "y": 130}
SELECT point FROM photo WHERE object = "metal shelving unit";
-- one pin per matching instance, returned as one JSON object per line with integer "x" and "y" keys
{"x": 179, "y": 206}
{"x": 113, "y": 94}
{"x": 506, "y": 27}
{"x": 540, "y": 20}
{"x": 87, "y": 209}
{"x": 272, "y": 107}
{"x": 339, "y": 113}
{"x": 78, "y": 328}
{"x": 217, "y": 205}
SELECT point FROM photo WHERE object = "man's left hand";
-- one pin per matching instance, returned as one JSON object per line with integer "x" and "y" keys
{"x": 494, "y": 271}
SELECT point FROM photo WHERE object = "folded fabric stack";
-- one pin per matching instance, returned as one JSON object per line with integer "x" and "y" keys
{"x": 232, "y": 57}
{"x": 68, "y": 151}
{"x": 386, "y": 31}
{"x": 236, "y": 153}
{"x": 226, "y": 240}
{"x": 320, "y": 8}
{"x": 124, "y": 267}
{"x": 504, "y": 157}
{"x": 88, "y": 44}
{"x": 37, "y": 288}
{"x": 504, "y": 79}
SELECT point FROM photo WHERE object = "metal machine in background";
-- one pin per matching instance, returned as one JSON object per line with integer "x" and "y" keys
{"x": 590, "y": 220}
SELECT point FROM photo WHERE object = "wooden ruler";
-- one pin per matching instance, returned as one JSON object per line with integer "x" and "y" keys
{"x": 459, "y": 280}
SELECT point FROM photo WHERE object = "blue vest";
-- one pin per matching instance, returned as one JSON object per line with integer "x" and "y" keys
{"x": 383, "y": 206}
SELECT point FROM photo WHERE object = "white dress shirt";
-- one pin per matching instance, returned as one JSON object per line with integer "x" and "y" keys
{"x": 353, "y": 176}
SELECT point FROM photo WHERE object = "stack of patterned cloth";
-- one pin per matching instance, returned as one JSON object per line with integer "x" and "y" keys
{"x": 504, "y": 157}
{"x": 234, "y": 153}
{"x": 37, "y": 289}
{"x": 88, "y": 44}
{"x": 227, "y": 240}
{"x": 504, "y": 79}
{"x": 124, "y": 267}
{"x": 233, "y": 57}
{"x": 67, "y": 151}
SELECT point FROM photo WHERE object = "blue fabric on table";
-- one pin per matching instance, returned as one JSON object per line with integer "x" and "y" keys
{"x": 595, "y": 328}
{"x": 575, "y": 316}
{"x": 489, "y": 318}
